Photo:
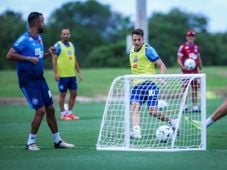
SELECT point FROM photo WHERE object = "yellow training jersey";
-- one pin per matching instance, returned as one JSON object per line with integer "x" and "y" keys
{"x": 66, "y": 61}
{"x": 140, "y": 64}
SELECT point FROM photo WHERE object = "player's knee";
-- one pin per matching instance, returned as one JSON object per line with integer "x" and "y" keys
{"x": 73, "y": 94}
{"x": 40, "y": 111}
{"x": 50, "y": 110}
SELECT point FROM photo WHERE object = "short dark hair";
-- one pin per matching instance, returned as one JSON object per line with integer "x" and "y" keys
{"x": 33, "y": 17}
{"x": 138, "y": 31}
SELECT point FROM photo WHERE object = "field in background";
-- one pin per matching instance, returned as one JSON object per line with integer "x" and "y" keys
{"x": 97, "y": 81}
{"x": 15, "y": 124}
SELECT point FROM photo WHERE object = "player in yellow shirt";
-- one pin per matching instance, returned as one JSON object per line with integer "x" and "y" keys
{"x": 143, "y": 59}
{"x": 66, "y": 68}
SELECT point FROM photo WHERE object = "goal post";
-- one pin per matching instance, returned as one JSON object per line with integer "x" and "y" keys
{"x": 178, "y": 91}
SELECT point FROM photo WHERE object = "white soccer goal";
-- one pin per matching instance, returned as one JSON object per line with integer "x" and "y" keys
{"x": 116, "y": 123}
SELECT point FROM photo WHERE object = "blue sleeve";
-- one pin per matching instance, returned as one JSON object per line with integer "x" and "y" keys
{"x": 151, "y": 54}
{"x": 58, "y": 48}
{"x": 20, "y": 44}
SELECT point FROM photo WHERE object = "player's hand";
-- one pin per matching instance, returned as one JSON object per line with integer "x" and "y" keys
{"x": 56, "y": 77}
{"x": 33, "y": 60}
{"x": 52, "y": 50}
{"x": 80, "y": 77}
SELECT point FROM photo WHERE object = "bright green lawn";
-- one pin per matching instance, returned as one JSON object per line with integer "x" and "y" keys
{"x": 97, "y": 81}
{"x": 15, "y": 124}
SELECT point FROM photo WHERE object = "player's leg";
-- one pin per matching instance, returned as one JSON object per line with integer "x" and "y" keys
{"x": 72, "y": 98}
{"x": 220, "y": 112}
{"x": 136, "y": 102}
{"x": 152, "y": 92}
{"x": 34, "y": 99}
{"x": 135, "y": 109}
{"x": 184, "y": 85}
{"x": 51, "y": 119}
{"x": 62, "y": 87}
{"x": 195, "y": 86}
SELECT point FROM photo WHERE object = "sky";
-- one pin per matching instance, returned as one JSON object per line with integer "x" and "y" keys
{"x": 214, "y": 10}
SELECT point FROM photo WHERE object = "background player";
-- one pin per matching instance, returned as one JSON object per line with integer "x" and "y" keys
{"x": 190, "y": 50}
{"x": 64, "y": 64}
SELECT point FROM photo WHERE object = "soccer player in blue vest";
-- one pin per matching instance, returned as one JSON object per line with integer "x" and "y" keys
{"x": 28, "y": 53}
{"x": 143, "y": 59}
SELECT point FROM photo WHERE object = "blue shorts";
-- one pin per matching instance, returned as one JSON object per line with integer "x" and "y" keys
{"x": 37, "y": 94}
{"x": 145, "y": 92}
{"x": 65, "y": 83}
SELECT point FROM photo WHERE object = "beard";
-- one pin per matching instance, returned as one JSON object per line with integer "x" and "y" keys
{"x": 40, "y": 30}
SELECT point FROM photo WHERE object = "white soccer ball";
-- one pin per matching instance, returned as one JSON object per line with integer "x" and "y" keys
{"x": 164, "y": 133}
{"x": 162, "y": 105}
{"x": 189, "y": 64}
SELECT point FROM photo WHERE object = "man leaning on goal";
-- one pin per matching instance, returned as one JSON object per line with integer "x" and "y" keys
{"x": 143, "y": 59}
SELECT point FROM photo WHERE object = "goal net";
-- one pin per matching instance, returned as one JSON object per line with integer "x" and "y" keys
{"x": 181, "y": 103}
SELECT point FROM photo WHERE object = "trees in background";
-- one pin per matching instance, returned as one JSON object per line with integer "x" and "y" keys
{"x": 100, "y": 34}
{"x": 12, "y": 25}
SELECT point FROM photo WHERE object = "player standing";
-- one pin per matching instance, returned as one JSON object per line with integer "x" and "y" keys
{"x": 143, "y": 59}
{"x": 65, "y": 66}
{"x": 190, "y": 50}
{"x": 27, "y": 51}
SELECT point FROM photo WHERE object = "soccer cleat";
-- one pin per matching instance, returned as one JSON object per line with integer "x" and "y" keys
{"x": 74, "y": 117}
{"x": 136, "y": 133}
{"x": 195, "y": 123}
{"x": 185, "y": 109}
{"x": 63, "y": 145}
{"x": 195, "y": 108}
{"x": 173, "y": 124}
{"x": 65, "y": 117}
{"x": 32, "y": 147}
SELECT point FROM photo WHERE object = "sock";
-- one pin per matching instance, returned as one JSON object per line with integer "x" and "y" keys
{"x": 56, "y": 137}
{"x": 136, "y": 128}
{"x": 63, "y": 113}
{"x": 31, "y": 139}
{"x": 69, "y": 112}
{"x": 209, "y": 122}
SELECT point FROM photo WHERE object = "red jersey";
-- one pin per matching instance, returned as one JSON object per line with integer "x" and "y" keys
{"x": 186, "y": 51}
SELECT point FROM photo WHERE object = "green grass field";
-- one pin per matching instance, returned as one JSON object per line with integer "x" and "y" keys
{"x": 15, "y": 125}
{"x": 98, "y": 81}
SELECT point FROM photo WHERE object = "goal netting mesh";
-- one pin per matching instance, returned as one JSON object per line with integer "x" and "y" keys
{"x": 179, "y": 97}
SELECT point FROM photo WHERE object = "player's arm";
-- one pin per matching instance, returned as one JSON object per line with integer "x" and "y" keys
{"x": 179, "y": 61}
{"x": 77, "y": 67}
{"x": 161, "y": 66}
{"x": 153, "y": 56}
{"x": 14, "y": 56}
{"x": 47, "y": 54}
{"x": 54, "y": 64}
{"x": 200, "y": 64}
{"x": 179, "y": 57}
{"x": 52, "y": 51}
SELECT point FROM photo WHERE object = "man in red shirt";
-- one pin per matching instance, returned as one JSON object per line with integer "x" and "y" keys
{"x": 190, "y": 50}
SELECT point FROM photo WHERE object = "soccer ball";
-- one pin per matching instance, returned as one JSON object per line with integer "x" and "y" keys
{"x": 162, "y": 105}
{"x": 164, "y": 133}
{"x": 189, "y": 64}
